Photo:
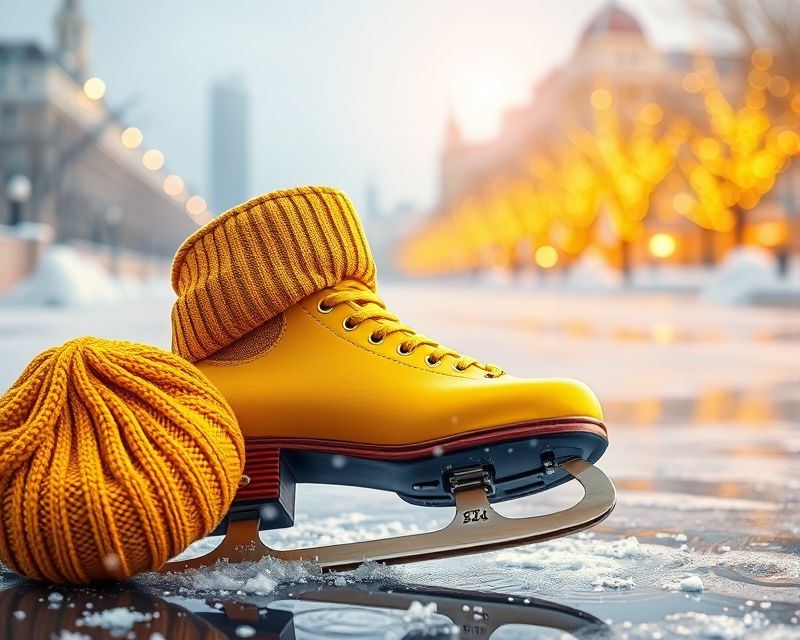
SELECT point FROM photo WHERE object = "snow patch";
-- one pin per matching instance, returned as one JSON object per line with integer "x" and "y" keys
{"x": 70, "y": 635}
{"x": 746, "y": 273}
{"x": 594, "y": 563}
{"x": 689, "y": 584}
{"x": 65, "y": 278}
{"x": 418, "y": 612}
{"x": 258, "y": 578}
{"x": 591, "y": 272}
{"x": 613, "y": 582}
{"x": 116, "y": 619}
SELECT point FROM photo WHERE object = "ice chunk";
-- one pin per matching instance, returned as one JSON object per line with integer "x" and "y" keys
{"x": 691, "y": 584}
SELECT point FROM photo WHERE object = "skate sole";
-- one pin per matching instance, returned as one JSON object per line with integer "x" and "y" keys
{"x": 522, "y": 459}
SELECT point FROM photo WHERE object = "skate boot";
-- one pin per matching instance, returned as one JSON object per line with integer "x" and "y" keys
{"x": 277, "y": 306}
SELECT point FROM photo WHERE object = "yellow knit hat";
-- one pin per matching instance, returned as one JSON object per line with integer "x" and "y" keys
{"x": 257, "y": 260}
{"x": 114, "y": 457}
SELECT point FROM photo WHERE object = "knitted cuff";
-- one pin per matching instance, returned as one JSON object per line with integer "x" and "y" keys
{"x": 257, "y": 260}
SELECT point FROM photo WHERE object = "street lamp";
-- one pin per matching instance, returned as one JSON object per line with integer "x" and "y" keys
{"x": 18, "y": 190}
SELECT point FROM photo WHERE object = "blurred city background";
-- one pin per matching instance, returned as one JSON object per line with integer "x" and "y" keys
{"x": 583, "y": 144}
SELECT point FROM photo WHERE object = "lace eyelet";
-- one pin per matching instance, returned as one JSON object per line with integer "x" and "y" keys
{"x": 431, "y": 363}
{"x": 374, "y": 341}
{"x": 322, "y": 308}
{"x": 402, "y": 352}
{"x": 458, "y": 369}
{"x": 346, "y": 326}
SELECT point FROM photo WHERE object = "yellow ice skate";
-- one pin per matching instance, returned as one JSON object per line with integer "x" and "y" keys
{"x": 278, "y": 307}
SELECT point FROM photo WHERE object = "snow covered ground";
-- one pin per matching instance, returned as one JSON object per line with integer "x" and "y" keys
{"x": 703, "y": 409}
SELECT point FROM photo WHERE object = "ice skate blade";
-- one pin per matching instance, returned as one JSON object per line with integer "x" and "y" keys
{"x": 476, "y": 528}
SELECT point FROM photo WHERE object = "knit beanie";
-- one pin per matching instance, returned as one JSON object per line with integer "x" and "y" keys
{"x": 257, "y": 260}
{"x": 114, "y": 457}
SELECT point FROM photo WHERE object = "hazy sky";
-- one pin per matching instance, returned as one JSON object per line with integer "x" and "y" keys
{"x": 343, "y": 92}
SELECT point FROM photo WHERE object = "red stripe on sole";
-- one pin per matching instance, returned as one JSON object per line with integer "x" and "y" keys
{"x": 255, "y": 446}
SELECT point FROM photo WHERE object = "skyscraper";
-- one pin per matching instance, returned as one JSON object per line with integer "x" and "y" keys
{"x": 229, "y": 149}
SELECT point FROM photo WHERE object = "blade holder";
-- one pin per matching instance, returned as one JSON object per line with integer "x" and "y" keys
{"x": 469, "y": 478}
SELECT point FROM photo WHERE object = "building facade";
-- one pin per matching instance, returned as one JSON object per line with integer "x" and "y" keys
{"x": 613, "y": 53}
{"x": 229, "y": 145}
{"x": 85, "y": 182}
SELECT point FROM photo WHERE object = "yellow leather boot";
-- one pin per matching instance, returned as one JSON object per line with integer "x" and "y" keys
{"x": 278, "y": 308}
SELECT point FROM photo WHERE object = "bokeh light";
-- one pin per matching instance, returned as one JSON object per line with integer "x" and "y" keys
{"x": 546, "y": 256}
{"x": 652, "y": 114}
{"x": 153, "y": 159}
{"x": 761, "y": 59}
{"x": 663, "y": 333}
{"x": 779, "y": 86}
{"x": 693, "y": 83}
{"x": 771, "y": 234}
{"x": 94, "y": 88}
{"x": 601, "y": 99}
{"x": 789, "y": 142}
{"x": 132, "y": 137}
{"x": 682, "y": 202}
{"x": 662, "y": 245}
{"x": 173, "y": 185}
{"x": 195, "y": 205}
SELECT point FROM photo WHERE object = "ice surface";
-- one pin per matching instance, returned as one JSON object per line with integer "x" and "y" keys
{"x": 711, "y": 495}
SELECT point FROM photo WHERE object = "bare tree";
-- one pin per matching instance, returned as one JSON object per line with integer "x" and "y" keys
{"x": 771, "y": 24}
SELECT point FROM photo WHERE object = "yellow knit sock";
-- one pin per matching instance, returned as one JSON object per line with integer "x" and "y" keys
{"x": 257, "y": 260}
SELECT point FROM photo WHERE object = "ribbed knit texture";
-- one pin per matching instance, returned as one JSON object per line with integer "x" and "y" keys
{"x": 259, "y": 259}
{"x": 114, "y": 457}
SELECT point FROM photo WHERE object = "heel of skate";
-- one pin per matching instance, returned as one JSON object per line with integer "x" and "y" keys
{"x": 267, "y": 489}
{"x": 476, "y": 528}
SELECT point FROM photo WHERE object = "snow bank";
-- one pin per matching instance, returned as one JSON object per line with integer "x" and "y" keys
{"x": 32, "y": 231}
{"x": 746, "y": 275}
{"x": 67, "y": 279}
{"x": 591, "y": 272}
